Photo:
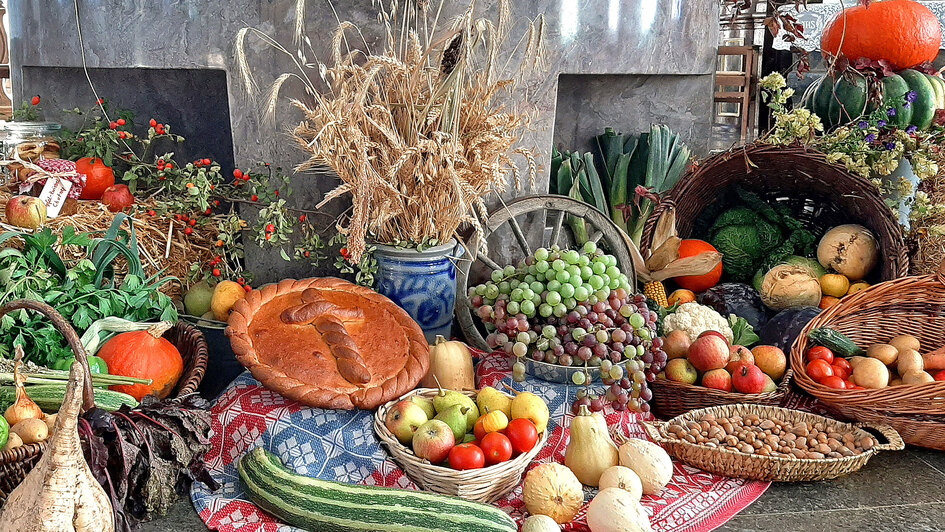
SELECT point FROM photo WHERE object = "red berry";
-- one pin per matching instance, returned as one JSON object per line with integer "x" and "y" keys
{"x": 247, "y": 288}
{"x": 254, "y": 197}
{"x": 120, "y": 121}
{"x": 241, "y": 280}
{"x": 208, "y": 211}
{"x": 206, "y": 162}
{"x": 238, "y": 174}
{"x": 151, "y": 213}
{"x": 216, "y": 203}
{"x": 35, "y": 100}
{"x": 188, "y": 230}
{"x": 112, "y": 125}
{"x": 270, "y": 228}
{"x": 169, "y": 166}
{"x": 100, "y": 101}
{"x": 216, "y": 272}
{"x": 193, "y": 223}
{"x": 178, "y": 217}
{"x": 268, "y": 236}
{"x": 307, "y": 254}
{"x": 153, "y": 122}
{"x": 302, "y": 218}
{"x": 277, "y": 193}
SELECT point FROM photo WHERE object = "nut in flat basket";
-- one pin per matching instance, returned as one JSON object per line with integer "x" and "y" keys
{"x": 482, "y": 485}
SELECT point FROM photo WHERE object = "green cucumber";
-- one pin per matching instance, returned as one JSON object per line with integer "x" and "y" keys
{"x": 328, "y": 506}
{"x": 49, "y": 397}
{"x": 923, "y": 107}
{"x": 839, "y": 343}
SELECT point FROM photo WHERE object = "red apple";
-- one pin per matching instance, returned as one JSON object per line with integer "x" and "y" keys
{"x": 718, "y": 379}
{"x": 771, "y": 360}
{"x": 403, "y": 420}
{"x": 939, "y": 375}
{"x": 26, "y": 211}
{"x": 715, "y": 333}
{"x": 117, "y": 198}
{"x": 709, "y": 352}
{"x": 433, "y": 441}
{"x": 680, "y": 370}
{"x": 748, "y": 378}
{"x": 676, "y": 344}
{"x": 739, "y": 354}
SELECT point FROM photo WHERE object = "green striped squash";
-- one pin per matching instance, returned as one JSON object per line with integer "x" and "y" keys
{"x": 840, "y": 100}
{"x": 327, "y": 506}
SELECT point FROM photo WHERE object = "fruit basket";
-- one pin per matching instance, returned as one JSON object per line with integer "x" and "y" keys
{"x": 735, "y": 463}
{"x": 911, "y": 305}
{"x": 819, "y": 194}
{"x": 483, "y": 485}
{"x": 671, "y": 398}
{"x": 16, "y": 463}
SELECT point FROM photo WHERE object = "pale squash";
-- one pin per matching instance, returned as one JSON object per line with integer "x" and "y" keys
{"x": 614, "y": 510}
{"x": 649, "y": 461}
{"x": 590, "y": 451}
{"x": 552, "y": 489}
{"x": 451, "y": 366}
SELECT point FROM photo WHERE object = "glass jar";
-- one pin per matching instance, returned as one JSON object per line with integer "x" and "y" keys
{"x": 30, "y": 140}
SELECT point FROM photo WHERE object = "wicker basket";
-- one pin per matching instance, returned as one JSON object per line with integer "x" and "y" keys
{"x": 771, "y": 468}
{"x": 482, "y": 485}
{"x": 911, "y": 305}
{"x": 820, "y": 194}
{"x": 16, "y": 463}
{"x": 671, "y": 399}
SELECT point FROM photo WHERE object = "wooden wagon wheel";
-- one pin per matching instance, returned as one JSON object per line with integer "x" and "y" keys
{"x": 600, "y": 229}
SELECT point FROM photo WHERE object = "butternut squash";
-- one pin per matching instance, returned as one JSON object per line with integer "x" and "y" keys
{"x": 451, "y": 366}
{"x": 590, "y": 451}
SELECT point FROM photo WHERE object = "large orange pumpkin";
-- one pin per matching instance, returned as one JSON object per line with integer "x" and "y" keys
{"x": 146, "y": 355}
{"x": 98, "y": 177}
{"x": 903, "y": 32}
{"x": 697, "y": 283}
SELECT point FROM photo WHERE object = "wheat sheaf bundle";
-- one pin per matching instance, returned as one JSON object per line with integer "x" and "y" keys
{"x": 417, "y": 133}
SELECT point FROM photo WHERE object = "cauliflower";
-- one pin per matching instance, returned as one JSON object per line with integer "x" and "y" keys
{"x": 695, "y": 319}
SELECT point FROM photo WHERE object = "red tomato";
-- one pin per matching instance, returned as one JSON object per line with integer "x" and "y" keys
{"x": 841, "y": 371}
{"x": 835, "y": 382}
{"x": 466, "y": 456}
{"x": 698, "y": 283}
{"x": 819, "y": 370}
{"x": 843, "y": 363}
{"x": 496, "y": 447}
{"x": 820, "y": 353}
{"x": 522, "y": 434}
{"x": 478, "y": 430}
{"x": 857, "y": 387}
{"x": 850, "y": 385}
{"x": 939, "y": 375}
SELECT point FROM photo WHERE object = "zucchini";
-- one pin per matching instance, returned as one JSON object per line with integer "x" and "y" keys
{"x": 839, "y": 343}
{"x": 327, "y": 506}
{"x": 49, "y": 397}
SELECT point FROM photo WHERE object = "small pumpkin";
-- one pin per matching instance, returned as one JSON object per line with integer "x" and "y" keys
{"x": 146, "y": 355}
{"x": 98, "y": 177}
{"x": 552, "y": 489}
{"x": 698, "y": 283}
{"x": 451, "y": 366}
{"x": 903, "y": 32}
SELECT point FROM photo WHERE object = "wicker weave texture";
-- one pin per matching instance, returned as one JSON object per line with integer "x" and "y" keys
{"x": 819, "y": 194}
{"x": 482, "y": 485}
{"x": 730, "y": 463}
{"x": 671, "y": 399}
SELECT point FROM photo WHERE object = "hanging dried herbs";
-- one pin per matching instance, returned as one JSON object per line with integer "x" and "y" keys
{"x": 147, "y": 457}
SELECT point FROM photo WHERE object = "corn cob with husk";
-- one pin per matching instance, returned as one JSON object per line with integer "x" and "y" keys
{"x": 664, "y": 261}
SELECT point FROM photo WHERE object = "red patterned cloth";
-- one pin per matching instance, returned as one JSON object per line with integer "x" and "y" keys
{"x": 341, "y": 445}
{"x": 63, "y": 166}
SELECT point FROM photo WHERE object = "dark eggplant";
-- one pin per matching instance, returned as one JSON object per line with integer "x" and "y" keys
{"x": 738, "y": 299}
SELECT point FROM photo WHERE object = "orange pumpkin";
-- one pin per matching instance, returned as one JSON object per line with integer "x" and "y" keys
{"x": 98, "y": 177}
{"x": 903, "y": 32}
{"x": 698, "y": 283}
{"x": 146, "y": 355}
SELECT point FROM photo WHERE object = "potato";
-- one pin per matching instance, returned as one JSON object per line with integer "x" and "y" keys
{"x": 885, "y": 353}
{"x": 13, "y": 441}
{"x": 905, "y": 341}
{"x": 909, "y": 360}
{"x": 871, "y": 373}
{"x": 31, "y": 430}
{"x": 856, "y": 360}
{"x": 917, "y": 377}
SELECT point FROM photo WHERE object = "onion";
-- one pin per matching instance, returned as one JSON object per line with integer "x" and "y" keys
{"x": 789, "y": 285}
{"x": 23, "y": 407}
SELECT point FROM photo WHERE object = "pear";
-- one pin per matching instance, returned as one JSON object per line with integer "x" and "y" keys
{"x": 426, "y": 404}
{"x": 455, "y": 417}
{"x": 447, "y": 398}
{"x": 490, "y": 399}
{"x": 468, "y": 438}
{"x": 529, "y": 406}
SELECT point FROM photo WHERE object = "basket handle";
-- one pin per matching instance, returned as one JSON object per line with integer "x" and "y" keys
{"x": 62, "y": 325}
{"x": 893, "y": 439}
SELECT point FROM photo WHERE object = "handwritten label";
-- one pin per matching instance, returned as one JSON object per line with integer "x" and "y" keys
{"x": 54, "y": 195}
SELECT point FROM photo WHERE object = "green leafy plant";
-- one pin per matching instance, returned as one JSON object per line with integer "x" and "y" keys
{"x": 107, "y": 280}
{"x": 28, "y": 111}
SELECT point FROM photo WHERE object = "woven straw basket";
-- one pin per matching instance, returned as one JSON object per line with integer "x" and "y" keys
{"x": 482, "y": 485}
{"x": 672, "y": 398}
{"x": 819, "y": 194}
{"x": 911, "y": 305}
{"x": 730, "y": 463}
{"x": 16, "y": 463}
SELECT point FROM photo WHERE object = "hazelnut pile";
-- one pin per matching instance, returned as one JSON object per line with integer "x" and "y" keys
{"x": 751, "y": 434}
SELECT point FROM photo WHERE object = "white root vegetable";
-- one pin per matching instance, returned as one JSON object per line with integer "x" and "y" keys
{"x": 60, "y": 494}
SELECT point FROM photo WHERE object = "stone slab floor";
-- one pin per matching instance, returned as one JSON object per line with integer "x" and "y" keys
{"x": 896, "y": 491}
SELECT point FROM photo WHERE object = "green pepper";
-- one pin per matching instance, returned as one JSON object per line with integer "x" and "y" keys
{"x": 96, "y": 365}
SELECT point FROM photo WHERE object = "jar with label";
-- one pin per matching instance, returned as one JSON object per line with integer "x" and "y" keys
{"x": 28, "y": 141}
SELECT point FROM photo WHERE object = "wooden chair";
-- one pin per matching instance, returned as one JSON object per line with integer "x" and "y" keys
{"x": 743, "y": 81}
